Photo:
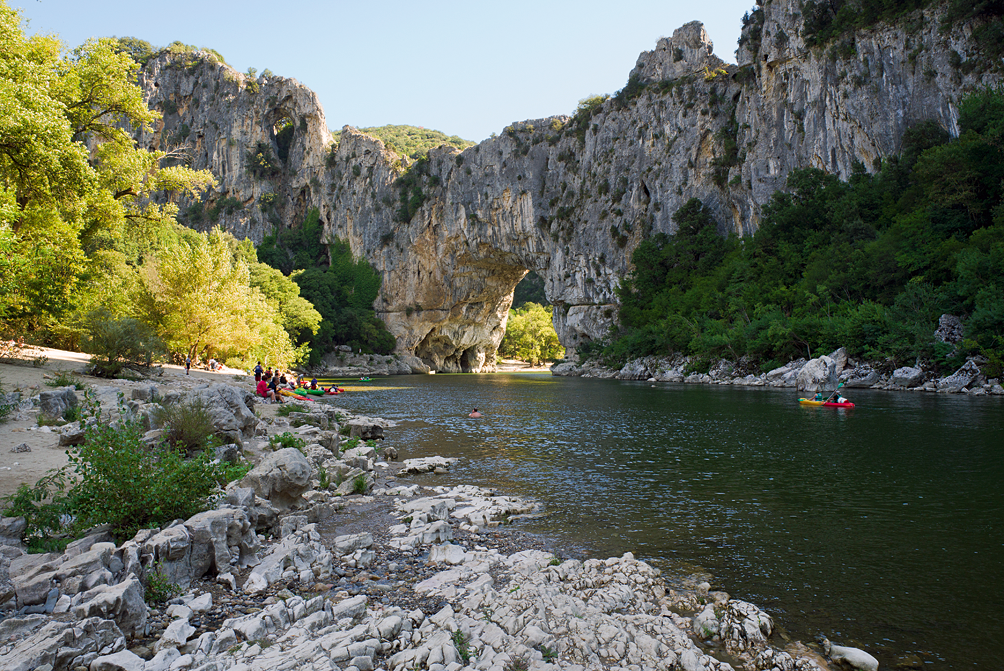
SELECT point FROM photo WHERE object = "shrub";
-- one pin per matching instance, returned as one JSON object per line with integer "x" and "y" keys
{"x": 549, "y": 654}
{"x": 123, "y": 483}
{"x": 72, "y": 414}
{"x": 227, "y": 473}
{"x": 116, "y": 479}
{"x": 460, "y": 642}
{"x": 517, "y": 663}
{"x": 157, "y": 588}
{"x": 360, "y": 484}
{"x": 117, "y": 343}
{"x": 7, "y": 406}
{"x": 188, "y": 425}
{"x": 286, "y": 439}
{"x": 65, "y": 379}
{"x": 261, "y": 162}
{"x": 286, "y": 408}
{"x": 42, "y": 506}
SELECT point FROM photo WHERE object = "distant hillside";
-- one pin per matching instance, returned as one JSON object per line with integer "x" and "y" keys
{"x": 412, "y": 141}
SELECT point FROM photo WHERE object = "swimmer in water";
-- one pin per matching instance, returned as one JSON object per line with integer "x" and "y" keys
{"x": 475, "y": 414}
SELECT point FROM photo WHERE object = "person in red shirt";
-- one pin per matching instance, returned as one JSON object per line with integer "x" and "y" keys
{"x": 264, "y": 391}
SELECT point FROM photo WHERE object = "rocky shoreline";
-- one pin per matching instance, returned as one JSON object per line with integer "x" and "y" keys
{"x": 284, "y": 573}
{"x": 822, "y": 373}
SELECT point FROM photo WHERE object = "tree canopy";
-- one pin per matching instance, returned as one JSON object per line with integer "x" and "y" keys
{"x": 530, "y": 335}
{"x": 90, "y": 251}
{"x": 72, "y": 181}
{"x": 341, "y": 288}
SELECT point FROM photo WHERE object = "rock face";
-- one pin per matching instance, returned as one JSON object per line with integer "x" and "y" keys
{"x": 817, "y": 375}
{"x": 55, "y": 403}
{"x": 281, "y": 477}
{"x": 569, "y": 198}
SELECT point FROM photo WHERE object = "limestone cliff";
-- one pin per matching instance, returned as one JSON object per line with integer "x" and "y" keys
{"x": 567, "y": 197}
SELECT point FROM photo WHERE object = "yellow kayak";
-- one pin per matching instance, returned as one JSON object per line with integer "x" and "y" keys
{"x": 827, "y": 404}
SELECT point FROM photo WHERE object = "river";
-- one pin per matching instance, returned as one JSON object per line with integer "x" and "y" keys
{"x": 880, "y": 526}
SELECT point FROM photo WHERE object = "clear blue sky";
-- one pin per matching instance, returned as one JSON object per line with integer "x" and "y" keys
{"x": 465, "y": 68}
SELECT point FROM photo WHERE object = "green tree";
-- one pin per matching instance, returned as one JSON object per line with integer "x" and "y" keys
{"x": 340, "y": 288}
{"x": 72, "y": 180}
{"x": 530, "y": 335}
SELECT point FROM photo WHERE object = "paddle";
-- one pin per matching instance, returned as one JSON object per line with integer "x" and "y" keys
{"x": 834, "y": 392}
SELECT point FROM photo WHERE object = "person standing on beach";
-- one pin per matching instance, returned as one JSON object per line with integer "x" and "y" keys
{"x": 188, "y": 364}
{"x": 257, "y": 373}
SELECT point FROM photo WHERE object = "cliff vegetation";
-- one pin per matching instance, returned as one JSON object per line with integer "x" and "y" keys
{"x": 868, "y": 264}
{"x": 342, "y": 288}
{"x": 411, "y": 141}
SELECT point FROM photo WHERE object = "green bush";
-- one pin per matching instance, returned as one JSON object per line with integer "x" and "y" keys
{"x": 114, "y": 478}
{"x": 286, "y": 439}
{"x": 42, "y": 506}
{"x": 117, "y": 343}
{"x": 360, "y": 484}
{"x": 157, "y": 588}
{"x": 461, "y": 642}
{"x": 286, "y": 408}
{"x": 261, "y": 163}
{"x": 65, "y": 379}
{"x": 187, "y": 425}
{"x": 123, "y": 483}
{"x": 227, "y": 473}
{"x": 517, "y": 663}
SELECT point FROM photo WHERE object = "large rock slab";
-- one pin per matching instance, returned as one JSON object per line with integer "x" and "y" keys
{"x": 860, "y": 377}
{"x": 123, "y": 660}
{"x": 60, "y": 644}
{"x": 819, "y": 374}
{"x": 907, "y": 376}
{"x": 282, "y": 477}
{"x": 204, "y": 543}
{"x": 56, "y": 402}
{"x": 122, "y": 602}
{"x": 231, "y": 408}
{"x": 301, "y": 554}
{"x": 960, "y": 379}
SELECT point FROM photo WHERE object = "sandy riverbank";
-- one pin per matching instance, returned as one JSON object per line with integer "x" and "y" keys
{"x": 30, "y": 380}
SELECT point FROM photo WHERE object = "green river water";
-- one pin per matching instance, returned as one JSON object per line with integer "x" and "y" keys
{"x": 881, "y": 526}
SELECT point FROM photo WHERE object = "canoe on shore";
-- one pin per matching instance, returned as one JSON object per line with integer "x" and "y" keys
{"x": 825, "y": 404}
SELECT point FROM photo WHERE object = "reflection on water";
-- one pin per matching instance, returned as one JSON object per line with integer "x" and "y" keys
{"x": 874, "y": 525}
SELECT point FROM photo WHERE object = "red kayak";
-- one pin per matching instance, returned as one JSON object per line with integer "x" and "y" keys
{"x": 825, "y": 404}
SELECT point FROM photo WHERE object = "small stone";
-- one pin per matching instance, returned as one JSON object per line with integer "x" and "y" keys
{"x": 23, "y": 447}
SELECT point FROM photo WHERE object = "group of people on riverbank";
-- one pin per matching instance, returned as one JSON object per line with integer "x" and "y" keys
{"x": 268, "y": 383}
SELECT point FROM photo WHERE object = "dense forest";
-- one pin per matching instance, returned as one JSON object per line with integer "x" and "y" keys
{"x": 868, "y": 264}
{"x": 341, "y": 288}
